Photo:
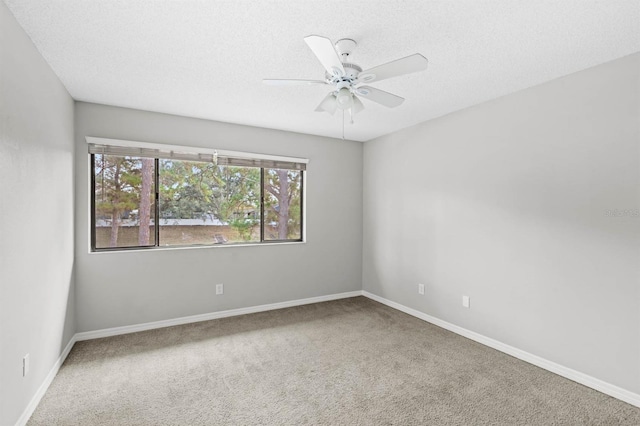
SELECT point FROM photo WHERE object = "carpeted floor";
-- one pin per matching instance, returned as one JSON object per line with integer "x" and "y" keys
{"x": 347, "y": 362}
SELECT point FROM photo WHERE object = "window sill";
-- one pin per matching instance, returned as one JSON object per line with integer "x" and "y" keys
{"x": 196, "y": 247}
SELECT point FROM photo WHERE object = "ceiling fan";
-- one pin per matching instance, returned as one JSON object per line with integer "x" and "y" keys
{"x": 346, "y": 78}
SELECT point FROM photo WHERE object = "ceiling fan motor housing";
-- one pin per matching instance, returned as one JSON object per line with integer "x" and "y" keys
{"x": 351, "y": 72}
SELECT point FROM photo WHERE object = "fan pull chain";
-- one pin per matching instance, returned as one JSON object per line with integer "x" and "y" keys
{"x": 342, "y": 124}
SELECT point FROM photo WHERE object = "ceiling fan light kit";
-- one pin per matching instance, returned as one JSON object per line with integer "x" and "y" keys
{"x": 347, "y": 77}
{"x": 344, "y": 98}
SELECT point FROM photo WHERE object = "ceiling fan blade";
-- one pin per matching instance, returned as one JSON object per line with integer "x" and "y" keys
{"x": 328, "y": 104}
{"x": 380, "y": 96}
{"x": 402, "y": 66}
{"x": 357, "y": 105}
{"x": 326, "y": 54}
{"x": 289, "y": 82}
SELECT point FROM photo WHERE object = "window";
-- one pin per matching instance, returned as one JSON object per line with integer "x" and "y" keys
{"x": 193, "y": 198}
{"x": 282, "y": 204}
{"x": 124, "y": 201}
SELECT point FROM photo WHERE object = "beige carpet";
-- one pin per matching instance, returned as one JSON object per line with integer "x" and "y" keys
{"x": 348, "y": 362}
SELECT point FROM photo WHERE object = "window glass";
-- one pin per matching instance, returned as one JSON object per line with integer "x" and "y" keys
{"x": 124, "y": 201}
{"x": 282, "y": 204}
{"x": 193, "y": 202}
{"x": 202, "y": 203}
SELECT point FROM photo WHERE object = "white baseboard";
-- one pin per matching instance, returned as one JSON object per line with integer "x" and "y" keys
{"x": 87, "y": 335}
{"x": 26, "y": 414}
{"x": 584, "y": 379}
{"x": 592, "y": 382}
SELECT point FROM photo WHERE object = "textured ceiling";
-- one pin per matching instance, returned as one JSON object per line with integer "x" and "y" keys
{"x": 206, "y": 59}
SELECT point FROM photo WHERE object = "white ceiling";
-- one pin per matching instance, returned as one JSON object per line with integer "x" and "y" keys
{"x": 206, "y": 59}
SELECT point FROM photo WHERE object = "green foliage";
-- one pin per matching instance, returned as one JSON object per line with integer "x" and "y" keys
{"x": 197, "y": 190}
{"x": 244, "y": 227}
{"x": 118, "y": 182}
{"x": 200, "y": 190}
{"x": 282, "y": 203}
{"x": 185, "y": 192}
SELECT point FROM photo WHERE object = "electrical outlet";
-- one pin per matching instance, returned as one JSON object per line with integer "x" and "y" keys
{"x": 25, "y": 365}
{"x": 420, "y": 288}
{"x": 466, "y": 302}
{"x": 219, "y": 289}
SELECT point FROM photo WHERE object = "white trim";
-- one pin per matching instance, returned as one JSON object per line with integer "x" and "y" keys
{"x": 198, "y": 150}
{"x": 576, "y": 376}
{"x": 97, "y": 334}
{"x": 33, "y": 404}
{"x": 192, "y": 149}
{"x": 196, "y": 247}
{"x": 584, "y": 379}
{"x": 88, "y": 335}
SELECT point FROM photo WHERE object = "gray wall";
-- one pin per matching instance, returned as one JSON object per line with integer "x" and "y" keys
{"x": 506, "y": 202}
{"x": 36, "y": 218}
{"x": 116, "y": 289}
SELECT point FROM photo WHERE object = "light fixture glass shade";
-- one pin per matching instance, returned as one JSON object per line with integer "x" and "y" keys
{"x": 328, "y": 104}
{"x": 357, "y": 105}
{"x": 344, "y": 98}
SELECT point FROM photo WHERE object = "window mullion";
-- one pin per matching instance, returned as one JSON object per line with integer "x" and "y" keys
{"x": 156, "y": 227}
{"x": 262, "y": 205}
{"x": 302, "y": 173}
{"x": 93, "y": 202}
